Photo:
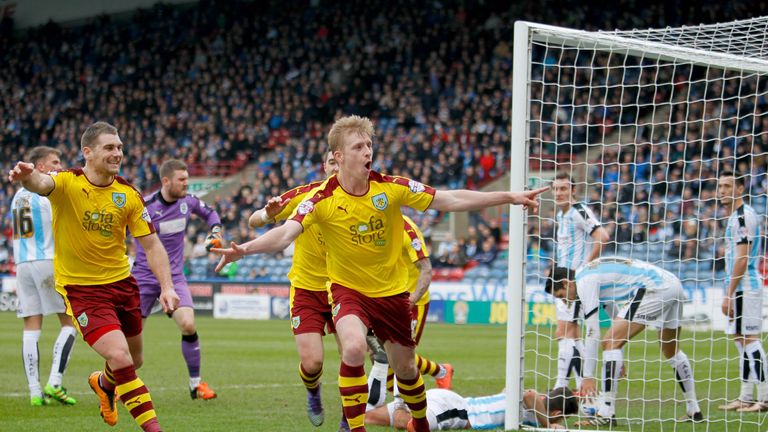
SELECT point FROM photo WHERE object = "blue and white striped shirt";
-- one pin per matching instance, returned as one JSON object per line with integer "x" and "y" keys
{"x": 574, "y": 229}
{"x": 743, "y": 228}
{"x": 615, "y": 279}
{"x": 32, "y": 227}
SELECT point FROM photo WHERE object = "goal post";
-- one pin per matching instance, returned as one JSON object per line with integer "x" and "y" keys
{"x": 643, "y": 122}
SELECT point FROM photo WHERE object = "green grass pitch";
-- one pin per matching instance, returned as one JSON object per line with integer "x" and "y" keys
{"x": 253, "y": 367}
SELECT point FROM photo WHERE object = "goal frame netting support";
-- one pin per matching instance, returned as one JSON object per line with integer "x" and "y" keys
{"x": 635, "y": 43}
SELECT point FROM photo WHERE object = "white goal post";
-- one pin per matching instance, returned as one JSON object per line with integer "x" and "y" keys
{"x": 588, "y": 103}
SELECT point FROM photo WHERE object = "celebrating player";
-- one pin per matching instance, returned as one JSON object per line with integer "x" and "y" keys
{"x": 654, "y": 298}
{"x": 358, "y": 212}
{"x": 310, "y": 310}
{"x": 33, "y": 255}
{"x": 170, "y": 209}
{"x": 576, "y": 226}
{"x": 743, "y": 301}
{"x": 92, "y": 207}
{"x": 415, "y": 258}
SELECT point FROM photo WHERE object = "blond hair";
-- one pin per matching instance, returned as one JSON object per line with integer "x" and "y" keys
{"x": 347, "y": 125}
{"x": 92, "y": 133}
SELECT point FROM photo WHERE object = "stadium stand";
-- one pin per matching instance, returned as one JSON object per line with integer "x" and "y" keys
{"x": 234, "y": 86}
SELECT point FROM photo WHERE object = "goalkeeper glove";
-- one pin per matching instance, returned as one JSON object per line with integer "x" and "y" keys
{"x": 214, "y": 239}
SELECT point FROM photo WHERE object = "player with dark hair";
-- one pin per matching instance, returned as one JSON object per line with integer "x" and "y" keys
{"x": 170, "y": 209}
{"x": 33, "y": 255}
{"x": 448, "y": 410}
{"x": 92, "y": 209}
{"x": 654, "y": 297}
{"x": 310, "y": 310}
{"x": 743, "y": 300}
{"x": 580, "y": 239}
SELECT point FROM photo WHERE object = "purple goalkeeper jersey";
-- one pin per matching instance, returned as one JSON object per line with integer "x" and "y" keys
{"x": 170, "y": 220}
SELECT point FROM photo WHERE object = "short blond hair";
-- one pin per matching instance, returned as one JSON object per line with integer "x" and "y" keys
{"x": 347, "y": 125}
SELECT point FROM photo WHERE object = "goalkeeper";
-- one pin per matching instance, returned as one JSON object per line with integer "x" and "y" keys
{"x": 170, "y": 209}
{"x": 654, "y": 297}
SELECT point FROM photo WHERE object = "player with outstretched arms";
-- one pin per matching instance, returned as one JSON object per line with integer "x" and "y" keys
{"x": 170, "y": 209}
{"x": 652, "y": 297}
{"x": 358, "y": 212}
{"x": 311, "y": 314}
{"x": 93, "y": 208}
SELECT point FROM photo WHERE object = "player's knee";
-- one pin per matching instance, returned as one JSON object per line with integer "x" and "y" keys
{"x": 353, "y": 352}
{"x": 311, "y": 362}
{"x": 138, "y": 361}
{"x": 612, "y": 344}
{"x": 187, "y": 327}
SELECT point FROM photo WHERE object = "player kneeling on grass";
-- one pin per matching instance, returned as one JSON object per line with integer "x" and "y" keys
{"x": 448, "y": 410}
{"x": 654, "y": 297}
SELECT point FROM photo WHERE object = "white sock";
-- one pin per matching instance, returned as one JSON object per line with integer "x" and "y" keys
{"x": 612, "y": 362}
{"x": 569, "y": 352}
{"x": 759, "y": 373}
{"x": 194, "y": 382}
{"x": 377, "y": 385}
{"x": 62, "y": 350}
{"x": 684, "y": 375}
{"x": 441, "y": 373}
{"x": 31, "y": 357}
{"x": 746, "y": 394}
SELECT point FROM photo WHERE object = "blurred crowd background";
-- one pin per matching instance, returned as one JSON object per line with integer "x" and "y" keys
{"x": 232, "y": 87}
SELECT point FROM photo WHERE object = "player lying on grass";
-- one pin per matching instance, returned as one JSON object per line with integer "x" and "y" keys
{"x": 448, "y": 410}
{"x": 654, "y": 297}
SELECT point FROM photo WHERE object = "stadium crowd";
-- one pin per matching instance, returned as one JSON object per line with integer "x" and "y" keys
{"x": 249, "y": 83}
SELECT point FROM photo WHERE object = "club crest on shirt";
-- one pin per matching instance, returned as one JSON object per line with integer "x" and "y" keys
{"x": 415, "y": 186}
{"x": 295, "y": 321}
{"x": 305, "y": 207}
{"x": 119, "y": 199}
{"x": 183, "y": 208}
{"x": 82, "y": 319}
{"x": 380, "y": 201}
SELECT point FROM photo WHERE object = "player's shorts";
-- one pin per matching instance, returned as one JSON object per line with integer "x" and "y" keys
{"x": 748, "y": 313}
{"x": 150, "y": 293}
{"x": 661, "y": 309}
{"x": 388, "y": 317}
{"x": 568, "y": 311}
{"x": 310, "y": 312}
{"x": 36, "y": 290}
{"x": 418, "y": 321}
{"x": 100, "y": 309}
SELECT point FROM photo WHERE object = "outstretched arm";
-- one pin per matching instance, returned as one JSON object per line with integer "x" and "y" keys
{"x": 468, "y": 200}
{"x": 267, "y": 214}
{"x": 273, "y": 240}
{"x": 32, "y": 179}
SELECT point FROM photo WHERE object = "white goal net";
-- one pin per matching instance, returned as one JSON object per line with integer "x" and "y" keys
{"x": 645, "y": 125}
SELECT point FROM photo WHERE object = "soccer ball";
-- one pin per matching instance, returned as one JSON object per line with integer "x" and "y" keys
{"x": 590, "y": 405}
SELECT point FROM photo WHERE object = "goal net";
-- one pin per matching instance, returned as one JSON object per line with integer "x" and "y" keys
{"x": 642, "y": 123}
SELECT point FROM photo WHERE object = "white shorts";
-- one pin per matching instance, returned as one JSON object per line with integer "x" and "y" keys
{"x": 568, "y": 311}
{"x": 657, "y": 309}
{"x": 748, "y": 313}
{"x": 35, "y": 289}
